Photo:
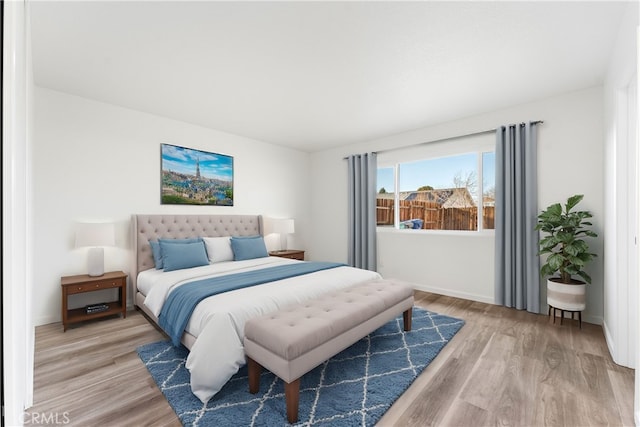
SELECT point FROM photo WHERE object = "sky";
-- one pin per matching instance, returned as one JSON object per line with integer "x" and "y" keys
{"x": 438, "y": 172}
{"x": 183, "y": 160}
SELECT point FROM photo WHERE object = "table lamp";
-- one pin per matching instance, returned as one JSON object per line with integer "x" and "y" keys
{"x": 96, "y": 236}
{"x": 283, "y": 227}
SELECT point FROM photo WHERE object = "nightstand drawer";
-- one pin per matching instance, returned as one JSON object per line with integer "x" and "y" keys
{"x": 291, "y": 254}
{"x": 94, "y": 286}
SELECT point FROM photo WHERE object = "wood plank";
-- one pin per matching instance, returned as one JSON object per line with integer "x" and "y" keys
{"x": 92, "y": 373}
{"x": 448, "y": 380}
{"x": 623, "y": 385}
{"x": 465, "y": 414}
{"x": 487, "y": 377}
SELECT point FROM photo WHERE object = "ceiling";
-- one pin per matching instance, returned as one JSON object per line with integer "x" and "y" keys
{"x": 314, "y": 75}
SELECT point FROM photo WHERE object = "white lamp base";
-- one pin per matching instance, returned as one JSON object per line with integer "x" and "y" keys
{"x": 96, "y": 262}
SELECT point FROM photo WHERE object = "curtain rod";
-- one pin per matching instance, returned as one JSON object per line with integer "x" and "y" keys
{"x": 535, "y": 122}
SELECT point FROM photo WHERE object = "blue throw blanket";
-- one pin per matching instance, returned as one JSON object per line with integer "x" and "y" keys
{"x": 178, "y": 307}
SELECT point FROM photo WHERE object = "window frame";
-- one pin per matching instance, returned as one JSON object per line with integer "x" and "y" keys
{"x": 473, "y": 144}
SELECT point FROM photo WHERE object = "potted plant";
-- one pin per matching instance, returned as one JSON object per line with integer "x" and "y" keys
{"x": 568, "y": 254}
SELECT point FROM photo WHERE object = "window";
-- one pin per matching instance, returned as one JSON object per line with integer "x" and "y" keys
{"x": 427, "y": 189}
{"x": 385, "y": 199}
{"x": 488, "y": 190}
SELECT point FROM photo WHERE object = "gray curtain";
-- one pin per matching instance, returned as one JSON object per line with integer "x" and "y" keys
{"x": 517, "y": 263}
{"x": 363, "y": 171}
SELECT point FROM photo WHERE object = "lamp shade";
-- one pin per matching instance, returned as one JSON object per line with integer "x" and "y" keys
{"x": 95, "y": 234}
{"x": 284, "y": 226}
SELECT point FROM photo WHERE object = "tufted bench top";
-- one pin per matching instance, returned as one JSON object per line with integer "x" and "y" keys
{"x": 292, "y": 341}
{"x": 297, "y": 329}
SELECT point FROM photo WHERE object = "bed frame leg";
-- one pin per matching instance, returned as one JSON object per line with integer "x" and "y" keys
{"x": 292, "y": 397}
{"x": 406, "y": 317}
{"x": 254, "y": 375}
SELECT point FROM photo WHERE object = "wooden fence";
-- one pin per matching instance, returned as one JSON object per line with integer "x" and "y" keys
{"x": 434, "y": 216}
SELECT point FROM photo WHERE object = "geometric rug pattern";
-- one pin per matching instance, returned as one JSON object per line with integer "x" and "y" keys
{"x": 354, "y": 388}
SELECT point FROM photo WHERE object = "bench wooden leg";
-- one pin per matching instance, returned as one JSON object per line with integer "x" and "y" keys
{"x": 254, "y": 375}
{"x": 406, "y": 317}
{"x": 292, "y": 398}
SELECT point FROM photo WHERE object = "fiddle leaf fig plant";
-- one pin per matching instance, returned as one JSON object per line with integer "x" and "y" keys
{"x": 565, "y": 230}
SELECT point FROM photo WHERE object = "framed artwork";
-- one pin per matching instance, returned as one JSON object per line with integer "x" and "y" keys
{"x": 195, "y": 177}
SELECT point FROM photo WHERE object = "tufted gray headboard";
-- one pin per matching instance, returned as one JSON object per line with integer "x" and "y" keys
{"x": 152, "y": 227}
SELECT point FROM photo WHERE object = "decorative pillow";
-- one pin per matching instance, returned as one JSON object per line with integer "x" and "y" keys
{"x": 156, "y": 251}
{"x": 218, "y": 248}
{"x": 248, "y": 247}
{"x": 184, "y": 255}
{"x": 157, "y": 255}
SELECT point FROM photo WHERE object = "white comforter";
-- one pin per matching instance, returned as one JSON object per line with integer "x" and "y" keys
{"x": 218, "y": 321}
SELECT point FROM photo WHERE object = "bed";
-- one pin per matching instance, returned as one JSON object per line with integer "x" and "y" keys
{"x": 215, "y": 329}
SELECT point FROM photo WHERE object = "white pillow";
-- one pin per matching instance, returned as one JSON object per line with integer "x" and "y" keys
{"x": 218, "y": 248}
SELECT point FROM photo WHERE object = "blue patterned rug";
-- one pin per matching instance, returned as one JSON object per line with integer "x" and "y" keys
{"x": 355, "y": 387}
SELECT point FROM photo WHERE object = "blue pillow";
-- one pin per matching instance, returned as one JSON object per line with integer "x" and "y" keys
{"x": 248, "y": 248}
{"x": 156, "y": 251}
{"x": 157, "y": 255}
{"x": 184, "y": 255}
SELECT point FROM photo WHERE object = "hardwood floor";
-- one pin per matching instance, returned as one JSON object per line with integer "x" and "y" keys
{"x": 91, "y": 375}
{"x": 504, "y": 367}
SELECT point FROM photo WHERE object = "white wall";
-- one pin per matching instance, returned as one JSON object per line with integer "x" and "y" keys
{"x": 620, "y": 306}
{"x": 17, "y": 280}
{"x": 636, "y": 400}
{"x": 570, "y": 162}
{"x": 94, "y": 161}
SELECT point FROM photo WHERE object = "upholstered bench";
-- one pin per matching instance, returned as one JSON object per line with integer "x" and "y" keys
{"x": 296, "y": 339}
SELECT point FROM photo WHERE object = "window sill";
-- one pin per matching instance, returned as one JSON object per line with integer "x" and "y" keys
{"x": 458, "y": 233}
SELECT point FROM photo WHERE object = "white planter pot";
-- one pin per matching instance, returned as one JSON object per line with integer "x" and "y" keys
{"x": 569, "y": 297}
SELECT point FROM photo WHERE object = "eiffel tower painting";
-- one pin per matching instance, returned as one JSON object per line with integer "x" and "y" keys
{"x": 196, "y": 177}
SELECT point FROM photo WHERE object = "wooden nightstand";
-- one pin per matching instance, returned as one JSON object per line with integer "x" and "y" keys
{"x": 84, "y": 283}
{"x": 290, "y": 253}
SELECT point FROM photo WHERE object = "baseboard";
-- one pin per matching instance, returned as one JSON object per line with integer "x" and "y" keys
{"x": 45, "y": 320}
{"x": 608, "y": 338}
{"x": 450, "y": 293}
{"x": 596, "y": 320}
